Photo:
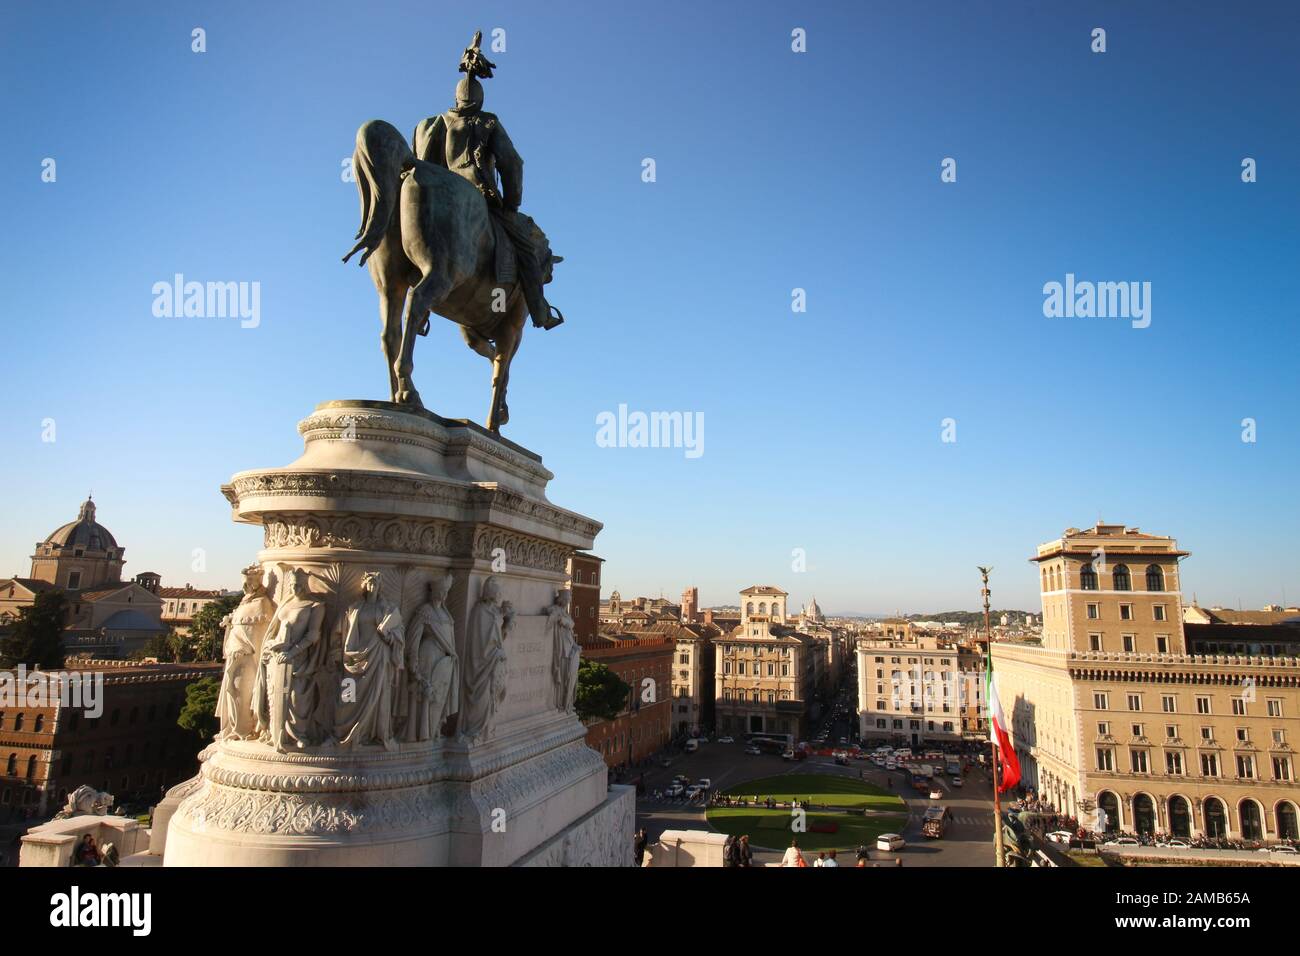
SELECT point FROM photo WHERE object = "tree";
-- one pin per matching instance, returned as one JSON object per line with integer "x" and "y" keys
{"x": 601, "y": 693}
{"x": 206, "y": 635}
{"x": 35, "y": 638}
{"x": 200, "y": 711}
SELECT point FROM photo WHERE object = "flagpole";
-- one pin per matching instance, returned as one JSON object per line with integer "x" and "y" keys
{"x": 993, "y": 744}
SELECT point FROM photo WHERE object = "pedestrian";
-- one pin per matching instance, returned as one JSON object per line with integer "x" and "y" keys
{"x": 792, "y": 855}
{"x": 831, "y": 861}
{"x": 746, "y": 854}
{"x": 863, "y": 856}
{"x": 639, "y": 845}
{"x": 821, "y": 859}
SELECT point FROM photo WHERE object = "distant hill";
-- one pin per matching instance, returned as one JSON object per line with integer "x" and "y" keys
{"x": 971, "y": 618}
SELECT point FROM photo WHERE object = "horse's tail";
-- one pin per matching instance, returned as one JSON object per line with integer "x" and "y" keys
{"x": 378, "y": 162}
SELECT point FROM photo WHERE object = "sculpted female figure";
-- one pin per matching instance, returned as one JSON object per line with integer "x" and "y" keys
{"x": 485, "y": 663}
{"x": 565, "y": 653}
{"x": 432, "y": 667}
{"x": 245, "y": 628}
{"x": 373, "y": 659}
{"x": 285, "y": 690}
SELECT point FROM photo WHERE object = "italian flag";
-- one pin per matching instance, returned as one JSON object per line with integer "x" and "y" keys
{"x": 999, "y": 733}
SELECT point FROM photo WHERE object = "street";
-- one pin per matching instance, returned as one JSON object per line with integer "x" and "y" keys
{"x": 968, "y": 842}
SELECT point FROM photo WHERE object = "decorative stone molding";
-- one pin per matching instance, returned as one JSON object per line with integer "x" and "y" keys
{"x": 228, "y": 810}
{"x": 601, "y": 838}
{"x": 429, "y": 537}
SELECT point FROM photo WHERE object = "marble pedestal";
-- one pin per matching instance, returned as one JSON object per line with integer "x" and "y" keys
{"x": 412, "y": 496}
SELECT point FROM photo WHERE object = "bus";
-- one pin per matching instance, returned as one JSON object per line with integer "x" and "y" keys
{"x": 772, "y": 743}
{"x": 935, "y": 822}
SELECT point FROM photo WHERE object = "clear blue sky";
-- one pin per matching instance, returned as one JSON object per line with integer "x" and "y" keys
{"x": 775, "y": 170}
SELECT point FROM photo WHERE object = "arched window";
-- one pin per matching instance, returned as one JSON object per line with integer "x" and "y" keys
{"x": 31, "y": 767}
{"x": 1155, "y": 578}
{"x": 762, "y": 607}
{"x": 1088, "y": 577}
{"x": 749, "y": 608}
{"x": 11, "y": 766}
{"x": 1286, "y": 822}
{"x": 39, "y": 725}
{"x": 18, "y": 721}
{"x": 1216, "y": 820}
{"x": 1045, "y": 581}
{"x": 1251, "y": 827}
{"x": 1180, "y": 817}
{"x": 1122, "y": 580}
{"x": 1108, "y": 803}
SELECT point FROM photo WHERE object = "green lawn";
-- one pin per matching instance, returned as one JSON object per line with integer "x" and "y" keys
{"x": 773, "y": 828}
{"x": 820, "y": 789}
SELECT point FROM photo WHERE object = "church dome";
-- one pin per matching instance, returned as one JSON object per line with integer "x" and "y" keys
{"x": 85, "y": 532}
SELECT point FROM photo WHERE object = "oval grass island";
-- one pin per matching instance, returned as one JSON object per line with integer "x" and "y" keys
{"x": 846, "y": 813}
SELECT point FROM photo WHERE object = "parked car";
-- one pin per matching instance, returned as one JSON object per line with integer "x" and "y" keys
{"x": 936, "y": 793}
{"x": 890, "y": 842}
{"x": 693, "y": 790}
{"x": 1177, "y": 844}
{"x": 956, "y": 782}
{"x": 1123, "y": 841}
{"x": 727, "y": 740}
{"x": 891, "y": 764}
{"x": 1283, "y": 848}
{"x": 753, "y": 751}
{"x": 704, "y": 783}
{"x": 676, "y": 790}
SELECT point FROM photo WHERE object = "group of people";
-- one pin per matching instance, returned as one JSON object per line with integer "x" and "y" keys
{"x": 88, "y": 853}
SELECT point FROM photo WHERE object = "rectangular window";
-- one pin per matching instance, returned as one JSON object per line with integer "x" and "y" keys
{"x": 1203, "y": 705}
{"x": 1275, "y": 707}
{"x": 1128, "y": 643}
{"x": 1245, "y": 766}
{"x": 1209, "y": 765}
{"x": 1159, "y": 611}
{"x": 1126, "y": 612}
{"x": 1279, "y": 737}
{"x": 1099, "y": 701}
{"x": 1134, "y": 701}
{"x": 1103, "y": 728}
{"x": 1171, "y": 731}
{"x": 1138, "y": 759}
{"x": 1105, "y": 759}
{"x": 1243, "y": 735}
{"x": 1094, "y": 612}
{"x": 1162, "y": 643}
{"x": 1169, "y": 703}
{"x": 1281, "y": 768}
{"x": 1239, "y": 707}
{"x": 1137, "y": 730}
{"x": 1174, "y": 763}
{"x": 1094, "y": 642}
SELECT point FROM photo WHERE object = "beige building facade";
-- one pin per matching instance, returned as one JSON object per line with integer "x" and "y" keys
{"x": 1115, "y": 708}
{"x": 765, "y": 673}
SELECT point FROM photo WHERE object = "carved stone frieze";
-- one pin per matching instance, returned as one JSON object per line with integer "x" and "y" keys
{"x": 413, "y": 536}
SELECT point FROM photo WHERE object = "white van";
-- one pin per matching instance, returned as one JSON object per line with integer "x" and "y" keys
{"x": 902, "y": 754}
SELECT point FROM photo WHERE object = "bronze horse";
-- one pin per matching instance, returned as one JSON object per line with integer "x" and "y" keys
{"x": 428, "y": 231}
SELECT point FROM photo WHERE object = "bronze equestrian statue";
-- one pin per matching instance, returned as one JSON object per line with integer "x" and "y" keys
{"x": 435, "y": 223}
